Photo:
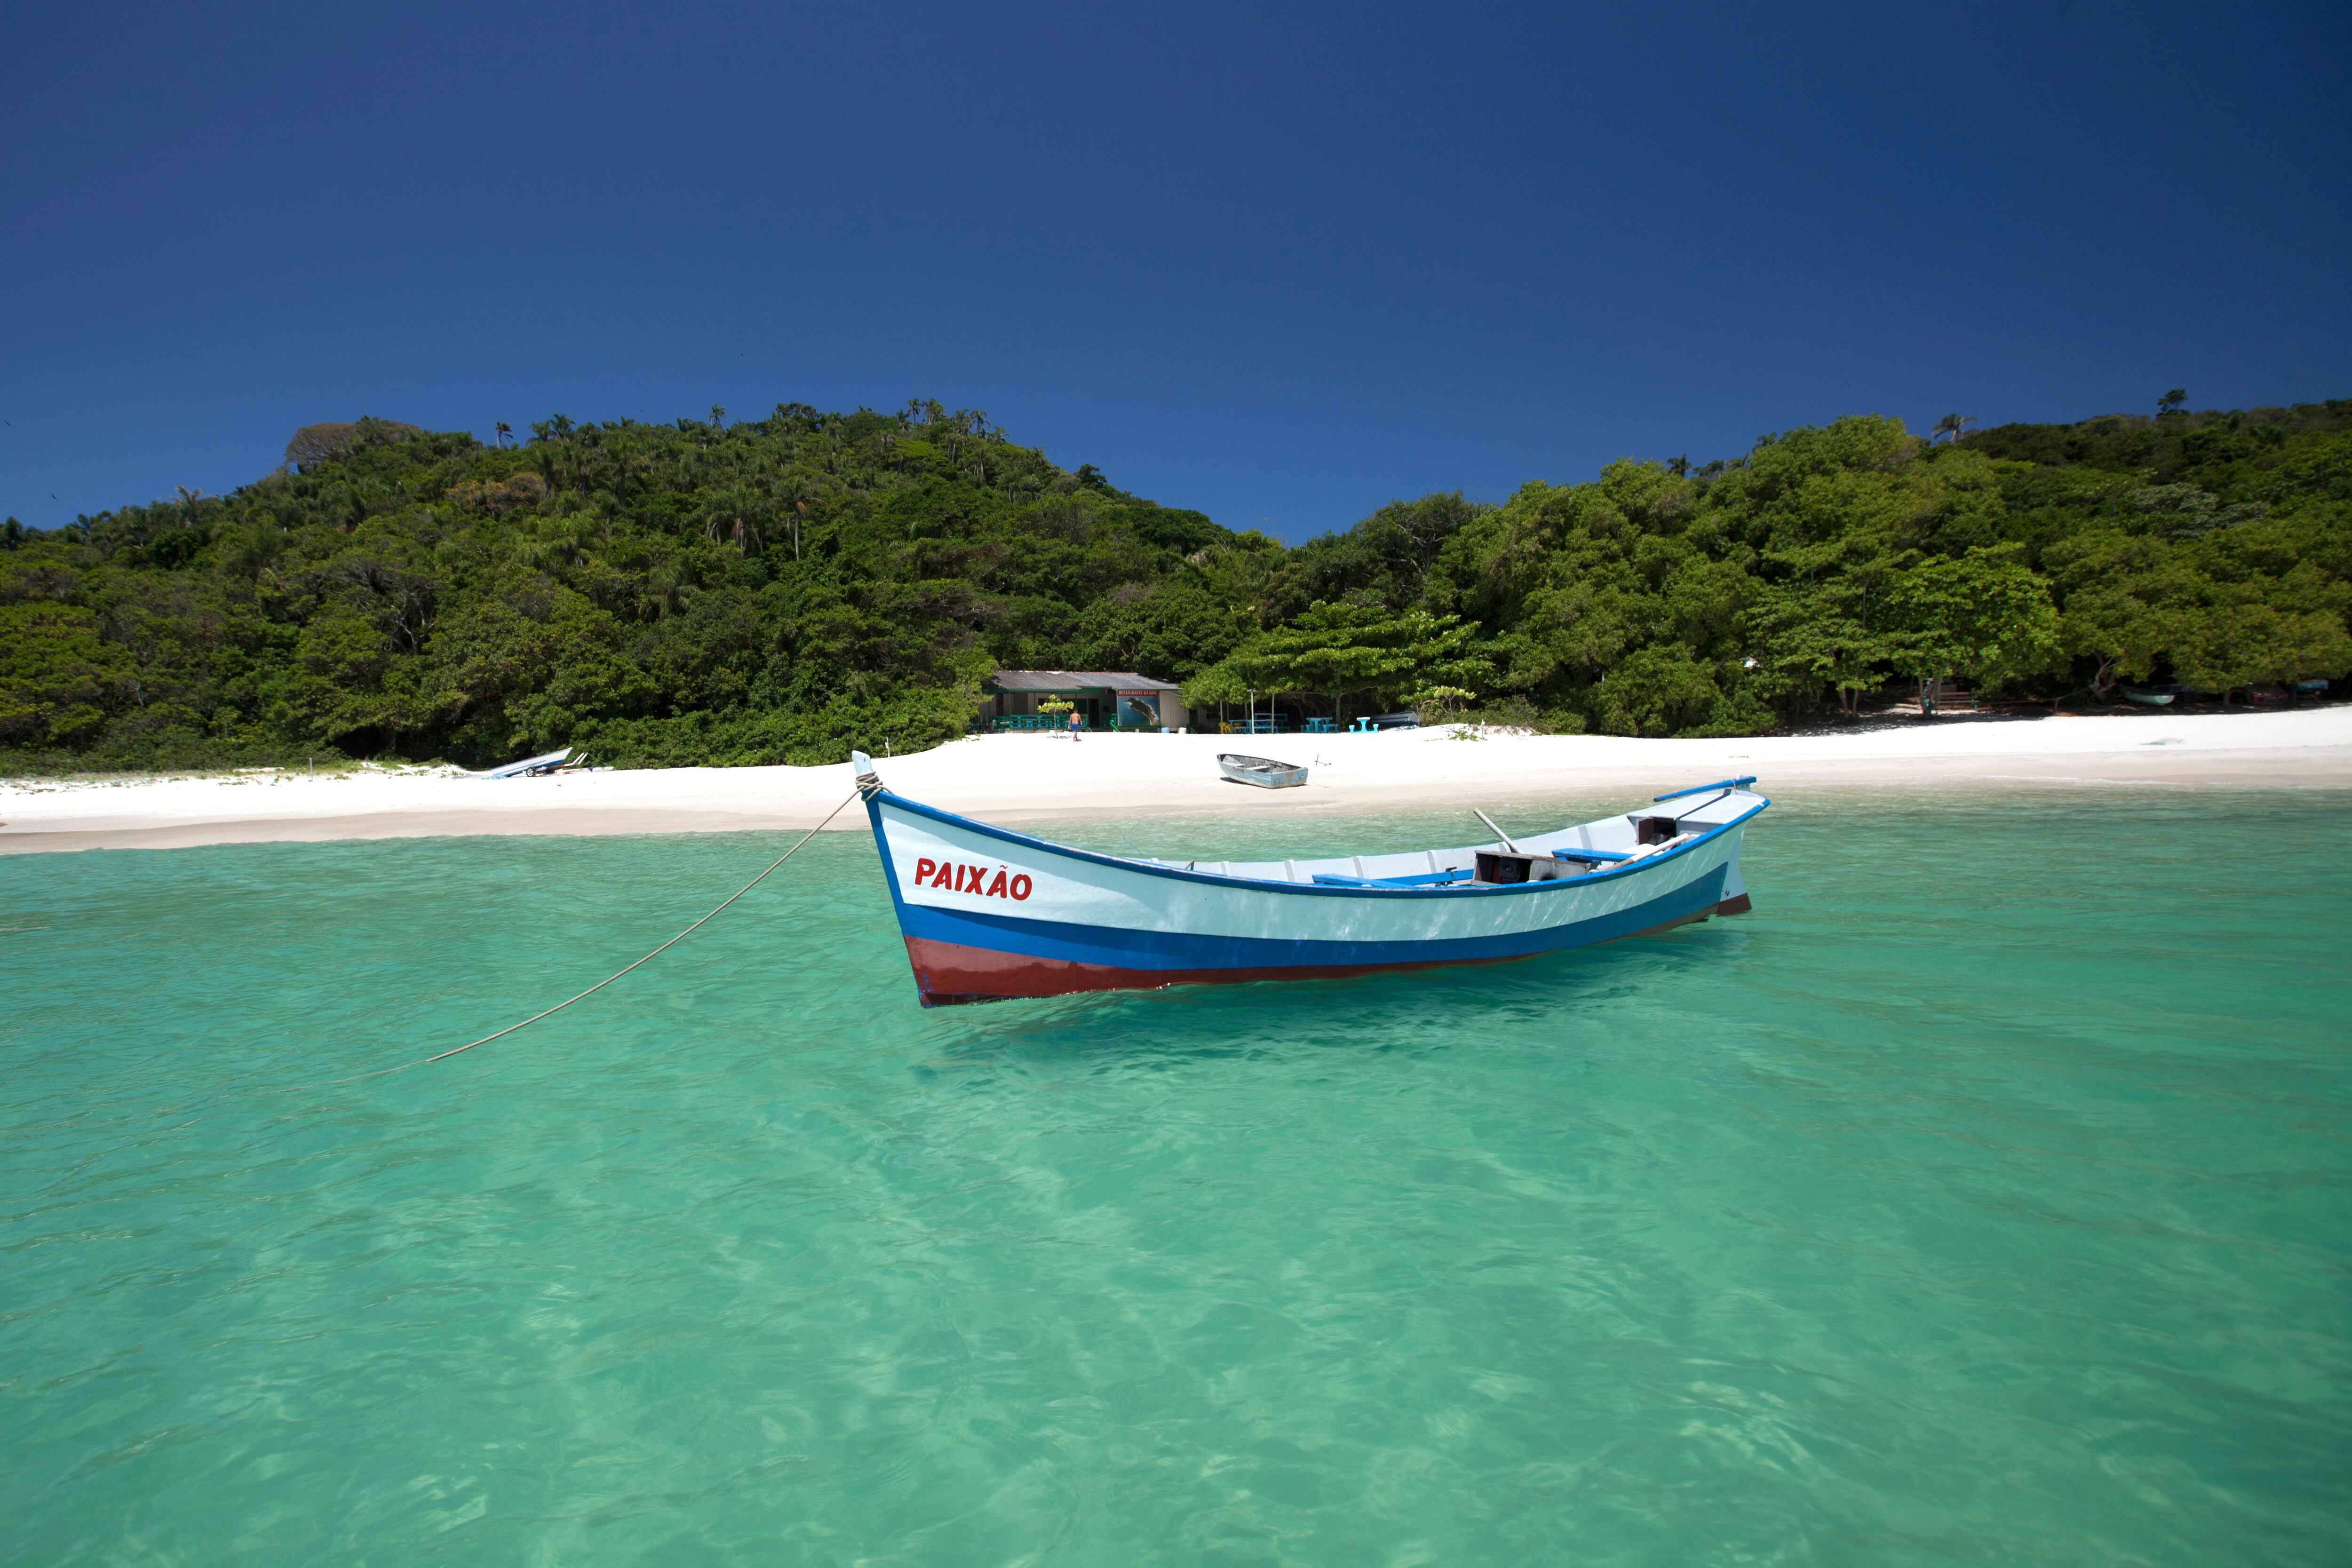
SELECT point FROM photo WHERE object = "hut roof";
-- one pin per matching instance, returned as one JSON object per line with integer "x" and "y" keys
{"x": 1078, "y": 681}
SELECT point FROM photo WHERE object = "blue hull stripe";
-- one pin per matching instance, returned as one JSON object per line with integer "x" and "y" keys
{"x": 1121, "y": 949}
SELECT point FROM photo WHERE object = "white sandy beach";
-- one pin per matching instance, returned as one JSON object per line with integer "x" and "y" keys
{"x": 1011, "y": 778}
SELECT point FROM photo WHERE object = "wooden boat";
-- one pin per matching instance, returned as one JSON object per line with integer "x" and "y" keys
{"x": 988, "y": 913}
{"x": 1262, "y": 772}
{"x": 2147, "y": 699}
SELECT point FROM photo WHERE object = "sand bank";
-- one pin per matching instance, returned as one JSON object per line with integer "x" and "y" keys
{"x": 1013, "y": 778}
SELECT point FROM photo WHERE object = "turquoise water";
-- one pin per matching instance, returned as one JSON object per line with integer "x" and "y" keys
{"x": 1982, "y": 1197}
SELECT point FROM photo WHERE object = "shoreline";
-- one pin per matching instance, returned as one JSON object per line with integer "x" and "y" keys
{"x": 1017, "y": 778}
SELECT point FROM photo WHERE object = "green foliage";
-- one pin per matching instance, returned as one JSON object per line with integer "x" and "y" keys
{"x": 1983, "y": 615}
{"x": 1658, "y": 690}
{"x": 2215, "y": 550}
{"x": 55, "y": 671}
{"x": 1342, "y": 651}
{"x": 771, "y": 590}
{"x": 1385, "y": 559}
{"x": 776, "y": 590}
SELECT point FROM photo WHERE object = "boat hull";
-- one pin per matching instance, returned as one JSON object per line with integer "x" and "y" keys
{"x": 989, "y": 914}
{"x": 1262, "y": 772}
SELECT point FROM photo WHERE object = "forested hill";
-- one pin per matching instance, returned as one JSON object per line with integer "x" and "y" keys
{"x": 775, "y": 589}
{"x": 704, "y": 592}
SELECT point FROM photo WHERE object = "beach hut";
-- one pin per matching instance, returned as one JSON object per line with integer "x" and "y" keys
{"x": 1102, "y": 699}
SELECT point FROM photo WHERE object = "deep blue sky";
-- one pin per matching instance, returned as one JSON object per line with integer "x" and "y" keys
{"x": 1281, "y": 263}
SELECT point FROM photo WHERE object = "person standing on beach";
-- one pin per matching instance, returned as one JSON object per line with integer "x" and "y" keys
{"x": 1076, "y": 724}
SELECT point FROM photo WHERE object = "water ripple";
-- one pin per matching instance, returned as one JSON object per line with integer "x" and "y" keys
{"x": 1982, "y": 1197}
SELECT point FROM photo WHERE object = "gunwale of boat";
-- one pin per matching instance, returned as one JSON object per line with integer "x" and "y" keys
{"x": 1265, "y": 765}
{"x": 1336, "y": 865}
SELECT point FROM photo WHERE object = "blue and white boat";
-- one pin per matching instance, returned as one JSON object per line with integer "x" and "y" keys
{"x": 988, "y": 913}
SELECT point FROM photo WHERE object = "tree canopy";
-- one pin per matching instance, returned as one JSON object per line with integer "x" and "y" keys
{"x": 1377, "y": 656}
{"x": 775, "y": 589}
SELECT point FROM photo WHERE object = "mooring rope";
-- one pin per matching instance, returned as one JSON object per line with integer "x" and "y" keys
{"x": 560, "y": 1006}
{"x": 230, "y": 1093}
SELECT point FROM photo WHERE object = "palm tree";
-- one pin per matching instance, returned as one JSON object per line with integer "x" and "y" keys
{"x": 622, "y": 458}
{"x": 506, "y": 433}
{"x": 793, "y": 493}
{"x": 2171, "y": 401}
{"x": 1952, "y": 425}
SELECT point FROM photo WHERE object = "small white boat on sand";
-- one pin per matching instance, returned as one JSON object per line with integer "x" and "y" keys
{"x": 988, "y": 913}
{"x": 1262, "y": 772}
{"x": 531, "y": 767}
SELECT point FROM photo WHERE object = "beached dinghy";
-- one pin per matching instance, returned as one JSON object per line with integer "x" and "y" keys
{"x": 531, "y": 767}
{"x": 988, "y": 913}
{"x": 1262, "y": 772}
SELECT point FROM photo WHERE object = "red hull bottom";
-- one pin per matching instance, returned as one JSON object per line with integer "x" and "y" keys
{"x": 949, "y": 974}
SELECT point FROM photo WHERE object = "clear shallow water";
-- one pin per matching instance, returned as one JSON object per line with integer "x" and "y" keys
{"x": 1981, "y": 1198}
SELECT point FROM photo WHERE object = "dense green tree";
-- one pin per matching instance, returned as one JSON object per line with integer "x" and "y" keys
{"x": 1814, "y": 634}
{"x": 1982, "y": 615}
{"x": 1377, "y": 657}
{"x": 2118, "y": 589}
{"x": 1386, "y": 558}
{"x": 56, "y": 672}
{"x": 1661, "y": 689}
